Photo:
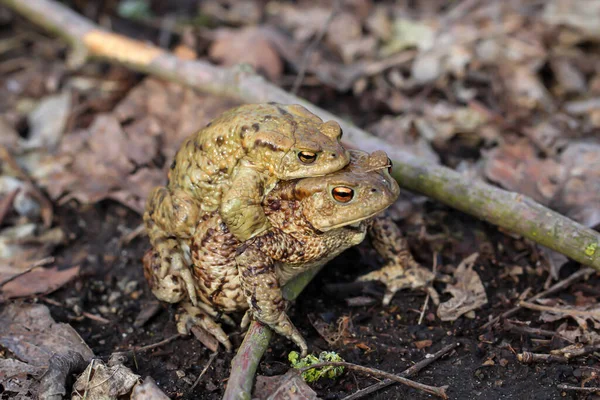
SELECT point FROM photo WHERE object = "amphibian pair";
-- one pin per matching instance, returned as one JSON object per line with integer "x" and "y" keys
{"x": 234, "y": 225}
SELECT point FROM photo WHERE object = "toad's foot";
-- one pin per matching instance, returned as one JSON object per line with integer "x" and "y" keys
{"x": 169, "y": 277}
{"x": 396, "y": 277}
{"x": 191, "y": 316}
{"x": 283, "y": 326}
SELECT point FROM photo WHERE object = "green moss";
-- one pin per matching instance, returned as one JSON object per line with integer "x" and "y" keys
{"x": 315, "y": 374}
{"x": 590, "y": 250}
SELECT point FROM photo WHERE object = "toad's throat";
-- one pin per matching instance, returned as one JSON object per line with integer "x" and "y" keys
{"x": 353, "y": 224}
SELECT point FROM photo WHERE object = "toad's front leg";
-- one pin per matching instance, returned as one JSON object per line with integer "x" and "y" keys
{"x": 401, "y": 271}
{"x": 263, "y": 292}
{"x": 241, "y": 207}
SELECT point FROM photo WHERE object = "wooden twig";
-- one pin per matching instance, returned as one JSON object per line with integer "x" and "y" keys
{"x": 558, "y": 310}
{"x": 148, "y": 347}
{"x": 557, "y": 287}
{"x": 579, "y": 388}
{"x": 246, "y": 360}
{"x": 412, "y": 371}
{"x": 208, "y": 363}
{"x": 530, "y": 358}
{"x": 511, "y": 211}
{"x": 434, "y": 390}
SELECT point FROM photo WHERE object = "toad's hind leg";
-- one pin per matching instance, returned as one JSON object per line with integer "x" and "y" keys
{"x": 169, "y": 218}
{"x": 401, "y": 271}
{"x": 171, "y": 285}
{"x": 190, "y": 316}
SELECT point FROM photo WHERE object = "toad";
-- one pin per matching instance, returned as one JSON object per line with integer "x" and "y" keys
{"x": 229, "y": 167}
{"x": 312, "y": 220}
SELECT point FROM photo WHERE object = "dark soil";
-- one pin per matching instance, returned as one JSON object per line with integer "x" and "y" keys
{"x": 484, "y": 366}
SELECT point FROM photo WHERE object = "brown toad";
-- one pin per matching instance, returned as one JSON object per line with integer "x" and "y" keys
{"x": 312, "y": 221}
{"x": 229, "y": 167}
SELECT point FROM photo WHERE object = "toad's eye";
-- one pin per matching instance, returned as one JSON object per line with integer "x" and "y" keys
{"x": 390, "y": 165}
{"x": 342, "y": 194}
{"x": 307, "y": 157}
{"x": 341, "y": 134}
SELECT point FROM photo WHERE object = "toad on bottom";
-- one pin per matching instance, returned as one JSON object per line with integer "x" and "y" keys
{"x": 312, "y": 220}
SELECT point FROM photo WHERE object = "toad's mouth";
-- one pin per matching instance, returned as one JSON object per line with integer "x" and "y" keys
{"x": 356, "y": 225}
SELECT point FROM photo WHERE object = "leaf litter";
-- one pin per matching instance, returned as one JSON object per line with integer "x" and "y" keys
{"x": 504, "y": 91}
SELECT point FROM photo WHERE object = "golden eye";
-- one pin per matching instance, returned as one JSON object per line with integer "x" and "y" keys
{"x": 390, "y": 165}
{"x": 342, "y": 194}
{"x": 307, "y": 157}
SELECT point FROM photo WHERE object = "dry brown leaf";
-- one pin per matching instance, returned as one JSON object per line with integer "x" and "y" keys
{"x": 581, "y": 314}
{"x": 400, "y": 131}
{"x": 468, "y": 293}
{"x": 289, "y": 386}
{"x": 101, "y": 382}
{"x": 247, "y": 45}
{"x": 48, "y": 120}
{"x": 148, "y": 391}
{"x": 304, "y": 22}
{"x": 30, "y": 333}
{"x": 19, "y": 378}
{"x": 38, "y": 281}
{"x": 516, "y": 167}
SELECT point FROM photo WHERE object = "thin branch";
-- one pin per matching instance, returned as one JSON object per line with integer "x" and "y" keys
{"x": 558, "y": 310}
{"x": 436, "y": 391}
{"x": 147, "y": 347}
{"x": 557, "y": 287}
{"x": 412, "y": 371}
{"x": 246, "y": 360}
{"x": 511, "y": 211}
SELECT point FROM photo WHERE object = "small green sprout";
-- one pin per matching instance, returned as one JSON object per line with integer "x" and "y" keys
{"x": 314, "y": 374}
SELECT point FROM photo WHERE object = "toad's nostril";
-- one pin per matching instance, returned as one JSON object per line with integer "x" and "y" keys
{"x": 373, "y": 190}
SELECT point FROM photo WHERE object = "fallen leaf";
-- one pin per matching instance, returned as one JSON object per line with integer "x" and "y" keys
{"x": 422, "y": 344}
{"x": 516, "y": 167}
{"x": 19, "y": 379}
{"x": 100, "y": 382}
{"x": 582, "y": 15}
{"x": 246, "y": 45}
{"x": 38, "y": 281}
{"x": 48, "y": 120}
{"x": 148, "y": 391}
{"x": 399, "y": 131}
{"x": 30, "y": 333}
{"x": 468, "y": 293}
{"x": 289, "y": 386}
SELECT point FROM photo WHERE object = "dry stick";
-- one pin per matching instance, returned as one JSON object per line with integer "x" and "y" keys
{"x": 558, "y": 286}
{"x": 436, "y": 391}
{"x": 208, "y": 363}
{"x": 406, "y": 373}
{"x": 557, "y": 310}
{"x": 579, "y": 388}
{"x": 148, "y": 347}
{"x": 511, "y": 211}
